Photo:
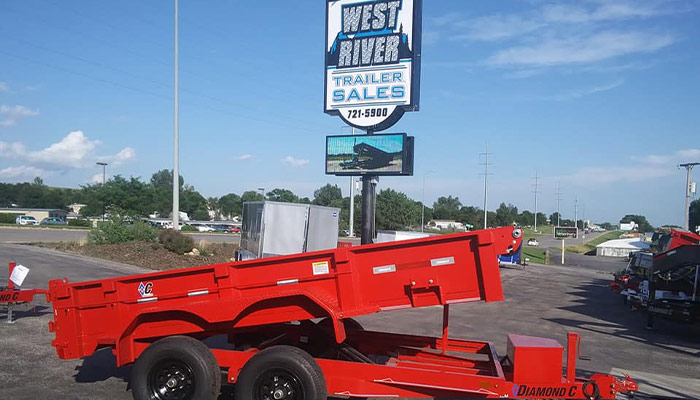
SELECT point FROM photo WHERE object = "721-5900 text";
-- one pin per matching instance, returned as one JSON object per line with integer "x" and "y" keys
{"x": 368, "y": 112}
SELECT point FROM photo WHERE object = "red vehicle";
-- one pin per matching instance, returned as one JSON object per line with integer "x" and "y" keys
{"x": 11, "y": 296}
{"x": 265, "y": 309}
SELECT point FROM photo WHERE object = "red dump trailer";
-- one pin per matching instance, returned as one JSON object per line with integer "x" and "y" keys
{"x": 290, "y": 333}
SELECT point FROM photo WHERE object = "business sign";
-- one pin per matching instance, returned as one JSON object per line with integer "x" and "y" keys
{"x": 386, "y": 154}
{"x": 373, "y": 50}
{"x": 565, "y": 232}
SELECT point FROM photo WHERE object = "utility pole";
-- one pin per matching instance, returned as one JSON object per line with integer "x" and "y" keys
{"x": 351, "y": 222}
{"x": 176, "y": 136}
{"x": 104, "y": 165}
{"x": 686, "y": 212}
{"x": 486, "y": 183}
{"x": 576, "y": 212}
{"x": 369, "y": 196}
{"x": 536, "y": 191}
{"x": 558, "y": 204}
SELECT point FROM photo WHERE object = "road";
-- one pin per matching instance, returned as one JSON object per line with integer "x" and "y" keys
{"x": 543, "y": 301}
{"x": 32, "y": 235}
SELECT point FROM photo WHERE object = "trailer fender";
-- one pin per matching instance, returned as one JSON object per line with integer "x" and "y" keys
{"x": 305, "y": 302}
{"x": 152, "y": 325}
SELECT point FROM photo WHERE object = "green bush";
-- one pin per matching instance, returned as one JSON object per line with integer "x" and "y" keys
{"x": 175, "y": 241}
{"x": 80, "y": 222}
{"x": 7, "y": 218}
{"x": 188, "y": 228}
{"x": 121, "y": 229}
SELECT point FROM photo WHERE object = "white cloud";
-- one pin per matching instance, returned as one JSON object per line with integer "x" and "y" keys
{"x": 565, "y": 13}
{"x": 10, "y": 115}
{"x": 649, "y": 167}
{"x": 97, "y": 178}
{"x": 580, "y": 49}
{"x": 75, "y": 150}
{"x": 244, "y": 157}
{"x": 576, "y": 94}
{"x": 21, "y": 172}
{"x": 678, "y": 157}
{"x": 126, "y": 154}
{"x": 3, "y": 87}
{"x": 495, "y": 27}
{"x": 294, "y": 162}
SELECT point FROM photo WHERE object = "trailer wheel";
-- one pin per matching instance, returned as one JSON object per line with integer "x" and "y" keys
{"x": 176, "y": 368}
{"x": 281, "y": 373}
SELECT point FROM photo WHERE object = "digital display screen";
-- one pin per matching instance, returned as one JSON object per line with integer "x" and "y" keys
{"x": 386, "y": 154}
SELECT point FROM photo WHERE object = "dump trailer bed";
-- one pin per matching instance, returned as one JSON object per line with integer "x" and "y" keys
{"x": 266, "y": 308}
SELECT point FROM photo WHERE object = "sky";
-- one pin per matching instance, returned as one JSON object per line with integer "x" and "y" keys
{"x": 598, "y": 98}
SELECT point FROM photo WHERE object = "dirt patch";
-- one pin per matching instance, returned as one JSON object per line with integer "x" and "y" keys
{"x": 148, "y": 255}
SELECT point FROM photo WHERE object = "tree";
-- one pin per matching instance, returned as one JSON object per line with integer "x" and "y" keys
{"x": 163, "y": 179}
{"x": 395, "y": 211}
{"x": 554, "y": 218}
{"x": 506, "y": 215}
{"x": 230, "y": 205}
{"x": 447, "y": 208}
{"x": 608, "y": 226}
{"x": 201, "y": 215}
{"x": 283, "y": 195}
{"x": 470, "y": 215}
{"x": 640, "y": 220}
{"x": 694, "y": 216}
{"x": 251, "y": 195}
{"x": 325, "y": 195}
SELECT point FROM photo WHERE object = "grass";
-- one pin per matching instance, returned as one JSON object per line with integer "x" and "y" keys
{"x": 541, "y": 230}
{"x": 45, "y": 226}
{"x": 585, "y": 248}
{"x": 534, "y": 255}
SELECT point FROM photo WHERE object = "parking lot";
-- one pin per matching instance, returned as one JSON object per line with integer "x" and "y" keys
{"x": 543, "y": 301}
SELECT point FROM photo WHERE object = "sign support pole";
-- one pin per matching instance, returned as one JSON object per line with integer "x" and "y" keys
{"x": 369, "y": 190}
{"x": 563, "y": 249}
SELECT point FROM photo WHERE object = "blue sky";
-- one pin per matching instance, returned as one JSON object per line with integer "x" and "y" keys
{"x": 601, "y": 96}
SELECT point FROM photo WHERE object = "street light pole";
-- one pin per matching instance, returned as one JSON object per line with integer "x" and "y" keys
{"x": 176, "y": 134}
{"x": 351, "y": 220}
{"x": 422, "y": 213}
{"x": 104, "y": 165}
{"x": 262, "y": 192}
{"x": 686, "y": 213}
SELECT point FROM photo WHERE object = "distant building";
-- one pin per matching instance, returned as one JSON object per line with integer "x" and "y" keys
{"x": 620, "y": 247}
{"x": 38, "y": 213}
{"x": 76, "y": 207}
{"x": 446, "y": 225}
{"x": 627, "y": 227}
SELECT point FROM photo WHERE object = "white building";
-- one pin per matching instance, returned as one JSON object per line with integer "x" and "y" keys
{"x": 620, "y": 247}
{"x": 446, "y": 225}
{"x": 629, "y": 226}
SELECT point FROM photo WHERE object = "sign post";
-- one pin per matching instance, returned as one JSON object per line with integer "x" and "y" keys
{"x": 372, "y": 71}
{"x": 562, "y": 233}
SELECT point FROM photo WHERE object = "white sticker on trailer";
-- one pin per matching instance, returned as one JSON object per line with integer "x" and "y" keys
{"x": 320, "y": 268}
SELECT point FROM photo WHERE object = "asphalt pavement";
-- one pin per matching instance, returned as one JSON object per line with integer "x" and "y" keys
{"x": 545, "y": 301}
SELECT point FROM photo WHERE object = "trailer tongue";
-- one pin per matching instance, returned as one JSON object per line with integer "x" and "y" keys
{"x": 266, "y": 308}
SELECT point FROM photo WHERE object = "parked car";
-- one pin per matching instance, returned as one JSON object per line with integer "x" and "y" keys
{"x": 234, "y": 229}
{"x": 533, "y": 242}
{"x": 205, "y": 228}
{"x": 26, "y": 220}
{"x": 52, "y": 221}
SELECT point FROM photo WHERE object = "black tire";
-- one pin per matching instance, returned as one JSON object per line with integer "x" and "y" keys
{"x": 287, "y": 371}
{"x": 176, "y": 368}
